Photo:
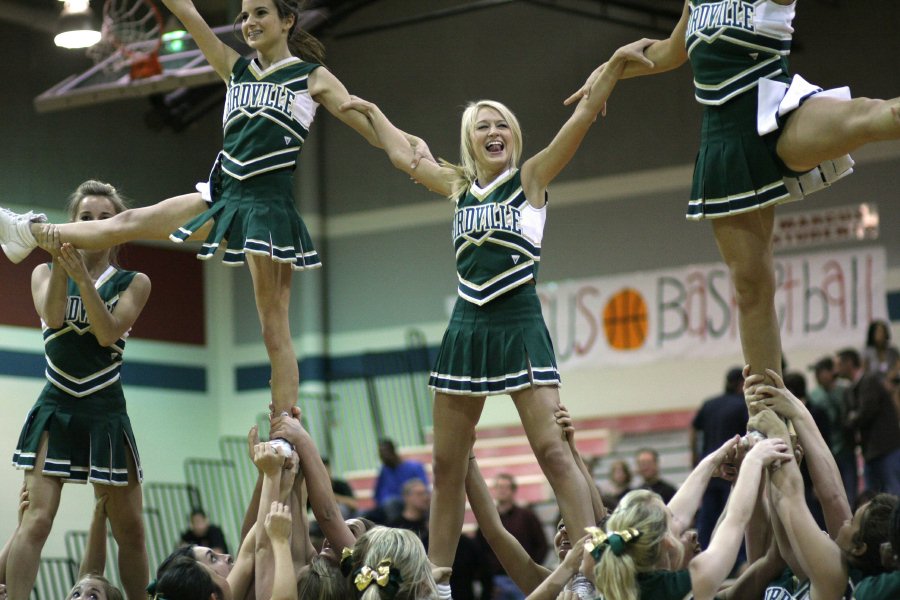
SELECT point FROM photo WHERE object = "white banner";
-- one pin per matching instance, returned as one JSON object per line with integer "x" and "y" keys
{"x": 824, "y": 300}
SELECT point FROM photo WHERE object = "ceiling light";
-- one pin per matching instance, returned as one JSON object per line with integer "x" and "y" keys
{"x": 76, "y": 25}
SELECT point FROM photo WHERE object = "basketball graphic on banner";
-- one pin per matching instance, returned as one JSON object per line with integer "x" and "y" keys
{"x": 625, "y": 320}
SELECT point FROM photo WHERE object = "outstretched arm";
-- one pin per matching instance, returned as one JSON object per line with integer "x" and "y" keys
{"x": 686, "y": 501}
{"x": 525, "y": 573}
{"x": 801, "y": 542}
{"x": 564, "y": 420}
{"x": 552, "y": 586}
{"x": 241, "y": 576}
{"x": 710, "y": 568}
{"x": 327, "y": 90}
{"x": 252, "y": 512}
{"x": 399, "y": 150}
{"x": 318, "y": 483}
{"x": 271, "y": 463}
{"x": 823, "y": 470}
{"x": 753, "y": 581}
{"x": 219, "y": 55}
{"x": 542, "y": 168}
{"x": 663, "y": 55}
{"x": 278, "y": 528}
{"x": 645, "y": 56}
{"x": 94, "y": 559}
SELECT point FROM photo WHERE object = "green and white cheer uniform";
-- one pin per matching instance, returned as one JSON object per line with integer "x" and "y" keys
{"x": 738, "y": 52}
{"x": 82, "y": 406}
{"x": 497, "y": 341}
{"x": 250, "y": 191}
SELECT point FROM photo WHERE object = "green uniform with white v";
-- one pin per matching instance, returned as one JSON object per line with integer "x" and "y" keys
{"x": 738, "y": 53}
{"x": 267, "y": 116}
{"x": 497, "y": 341}
{"x": 82, "y": 406}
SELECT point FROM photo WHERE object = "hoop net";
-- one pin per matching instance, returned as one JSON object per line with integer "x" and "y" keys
{"x": 132, "y": 30}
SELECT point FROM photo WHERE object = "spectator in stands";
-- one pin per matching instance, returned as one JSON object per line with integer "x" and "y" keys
{"x": 647, "y": 460}
{"x": 617, "y": 484}
{"x": 873, "y": 414}
{"x": 343, "y": 493}
{"x": 879, "y": 356}
{"x": 831, "y": 396}
{"x": 718, "y": 420}
{"x": 389, "y": 486}
{"x": 414, "y": 516}
{"x": 523, "y": 525}
{"x": 204, "y": 533}
{"x": 796, "y": 384}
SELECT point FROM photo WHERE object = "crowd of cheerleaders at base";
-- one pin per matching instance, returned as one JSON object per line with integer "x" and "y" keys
{"x": 756, "y": 151}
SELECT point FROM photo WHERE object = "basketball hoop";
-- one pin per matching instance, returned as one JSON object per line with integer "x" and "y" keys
{"x": 133, "y": 29}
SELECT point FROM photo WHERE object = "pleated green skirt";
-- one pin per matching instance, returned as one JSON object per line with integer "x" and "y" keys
{"x": 89, "y": 438}
{"x": 497, "y": 348}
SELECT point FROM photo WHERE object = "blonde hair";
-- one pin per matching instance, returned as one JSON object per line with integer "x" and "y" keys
{"x": 407, "y": 556}
{"x": 466, "y": 173}
{"x": 323, "y": 580}
{"x": 92, "y": 187}
{"x": 616, "y": 576}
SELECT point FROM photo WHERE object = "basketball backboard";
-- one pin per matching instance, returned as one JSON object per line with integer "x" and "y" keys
{"x": 183, "y": 66}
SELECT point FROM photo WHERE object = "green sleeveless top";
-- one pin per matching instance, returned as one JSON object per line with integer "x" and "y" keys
{"x": 267, "y": 116}
{"x": 497, "y": 236}
{"x": 732, "y": 44}
{"x": 76, "y": 363}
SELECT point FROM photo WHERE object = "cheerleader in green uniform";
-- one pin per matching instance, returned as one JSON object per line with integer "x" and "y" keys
{"x": 248, "y": 201}
{"x": 78, "y": 430}
{"x": 639, "y": 555}
{"x": 767, "y": 138}
{"x": 496, "y": 342}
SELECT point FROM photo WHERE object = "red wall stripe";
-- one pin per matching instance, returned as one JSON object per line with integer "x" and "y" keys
{"x": 174, "y": 312}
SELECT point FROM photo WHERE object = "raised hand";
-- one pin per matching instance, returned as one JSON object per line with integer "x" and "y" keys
{"x": 630, "y": 52}
{"x": 267, "y": 459}
{"x": 359, "y": 105}
{"x": 727, "y": 458}
{"x": 575, "y": 556}
{"x": 420, "y": 151}
{"x": 440, "y": 574}
{"x": 100, "y": 506}
{"x": 777, "y": 397}
{"x": 70, "y": 259}
{"x": 47, "y": 238}
{"x": 23, "y": 502}
{"x": 287, "y": 428}
{"x": 771, "y": 451}
{"x": 769, "y": 425}
{"x": 278, "y": 522}
{"x": 289, "y": 472}
{"x": 564, "y": 420}
{"x": 585, "y": 90}
{"x": 252, "y": 441}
